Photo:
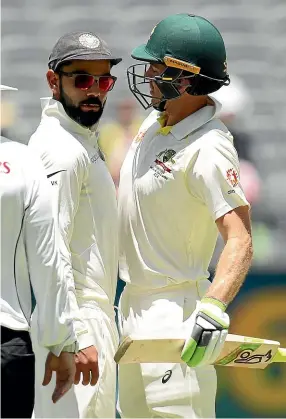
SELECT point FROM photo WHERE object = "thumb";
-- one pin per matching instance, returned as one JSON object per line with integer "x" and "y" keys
{"x": 62, "y": 387}
{"x": 48, "y": 375}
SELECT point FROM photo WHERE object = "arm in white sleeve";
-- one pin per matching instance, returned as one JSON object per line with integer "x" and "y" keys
{"x": 55, "y": 318}
{"x": 66, "y": 197}
{"x": 212, "y": 176}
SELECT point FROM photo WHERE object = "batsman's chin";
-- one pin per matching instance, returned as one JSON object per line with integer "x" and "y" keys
{"x": 155, "y": 101}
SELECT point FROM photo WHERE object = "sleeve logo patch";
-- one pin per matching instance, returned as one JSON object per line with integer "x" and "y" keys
{"x": 232, "y": 177}
{"x": 139, "y": 137}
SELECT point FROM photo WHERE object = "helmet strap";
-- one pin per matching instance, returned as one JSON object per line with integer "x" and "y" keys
{"x": 160, "y": 106}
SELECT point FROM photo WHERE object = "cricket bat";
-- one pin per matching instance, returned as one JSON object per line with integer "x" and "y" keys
{"x": 238, "y": 351}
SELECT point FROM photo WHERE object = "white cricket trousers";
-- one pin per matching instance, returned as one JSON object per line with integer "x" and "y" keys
{"x": 82, "y": 401}
{"x": 164, "y": 390}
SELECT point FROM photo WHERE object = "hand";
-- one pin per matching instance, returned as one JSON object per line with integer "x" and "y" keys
{"x": 65, "y": 369}
{"x": 207, "y": 335}
{"x": 87, "y": 364}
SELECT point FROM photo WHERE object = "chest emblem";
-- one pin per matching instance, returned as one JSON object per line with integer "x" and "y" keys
{"x": 163, "y": 162}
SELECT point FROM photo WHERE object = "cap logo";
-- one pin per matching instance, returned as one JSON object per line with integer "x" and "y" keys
{"x": 183, "y": 65}
{"x": 89, "y": 41}
{"x": 153, "y": 31}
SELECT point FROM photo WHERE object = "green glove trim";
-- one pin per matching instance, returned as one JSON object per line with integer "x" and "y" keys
{"x": 214, "y": 301}
{"x": 197, "y": 357}
{"x": 188, "y": 351}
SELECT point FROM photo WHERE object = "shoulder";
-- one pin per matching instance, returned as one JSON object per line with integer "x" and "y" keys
{"x": 150, "y": 120}
{"x": 22, "y": 165}
{"x": 217, "y": 139}
{"x": 213, "y": 137}
{"x": 18, "y": 152}
{"x": 58, "y": 147}
{"x": 213, "y": 148}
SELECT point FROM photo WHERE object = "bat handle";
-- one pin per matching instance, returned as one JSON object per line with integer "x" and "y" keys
{"x": 280, "y": 355}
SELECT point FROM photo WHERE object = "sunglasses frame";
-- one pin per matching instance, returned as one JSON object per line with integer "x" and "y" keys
{"x": 95, "y": 79}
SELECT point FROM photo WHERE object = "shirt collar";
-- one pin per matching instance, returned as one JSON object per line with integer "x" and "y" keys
{"x": 53, "y": 108}
{"x": 191, "y": 123}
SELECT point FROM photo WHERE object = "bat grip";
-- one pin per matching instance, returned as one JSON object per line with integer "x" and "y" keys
{"x": 280, "y": 355}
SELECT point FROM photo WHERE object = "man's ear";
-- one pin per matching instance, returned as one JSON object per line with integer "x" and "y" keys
{"x": 54, "y": 83}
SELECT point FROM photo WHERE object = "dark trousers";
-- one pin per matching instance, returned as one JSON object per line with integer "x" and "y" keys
{"x": 17, "y": 374}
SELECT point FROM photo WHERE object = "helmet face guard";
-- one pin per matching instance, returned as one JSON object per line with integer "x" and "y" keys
{"x": 168, "y": 82}
{"x": 138, "y": 84}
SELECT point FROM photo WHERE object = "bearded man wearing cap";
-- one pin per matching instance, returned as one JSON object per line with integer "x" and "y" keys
{"x": 179, "y": 187}
{"x": 84, "y": 199}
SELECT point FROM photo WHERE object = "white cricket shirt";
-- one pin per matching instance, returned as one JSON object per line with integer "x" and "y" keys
{"x": 30, "y": 258}
{"x": 175, "y": 182}
{"x": 85, "y": 201}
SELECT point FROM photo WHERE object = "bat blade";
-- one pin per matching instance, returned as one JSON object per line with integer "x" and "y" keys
{"x": 238, "y": 351}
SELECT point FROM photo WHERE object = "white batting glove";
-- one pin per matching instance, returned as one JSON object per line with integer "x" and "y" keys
{"x": 207, "y": 335}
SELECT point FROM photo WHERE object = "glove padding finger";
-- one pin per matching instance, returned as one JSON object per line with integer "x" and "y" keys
{"x": 191, "y": 343}
{"x": 219, "y": 346}
{"x": 204, "y": 349}
{"x": 213, "y": 350}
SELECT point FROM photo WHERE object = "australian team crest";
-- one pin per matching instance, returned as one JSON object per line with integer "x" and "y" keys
{"x": 163, "y": 162}
{"x": 165, "y": 157}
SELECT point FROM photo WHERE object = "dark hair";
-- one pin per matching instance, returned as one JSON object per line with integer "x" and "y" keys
{"x": 61, "y": 65}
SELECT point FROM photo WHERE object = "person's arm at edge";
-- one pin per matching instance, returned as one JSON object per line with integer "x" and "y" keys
{"x": 236, "y": 257}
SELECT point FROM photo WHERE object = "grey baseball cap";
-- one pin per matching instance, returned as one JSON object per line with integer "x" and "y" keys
{"x": 80, "y": 46}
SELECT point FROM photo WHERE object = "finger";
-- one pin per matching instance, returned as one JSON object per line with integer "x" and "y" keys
{"x": 63, "y": 385}
{"x": 197, "y": 356}
{"x": 60, "y": 391}
{"x": 188, "y": 350}
{"x": 191, "y": 344}
{"x": 94, "y": 375}
{"x": 77, "y": 376}
{"x": 48, "y": 375}
{"x": 208, "y": 341}
{"x": 85, "y": 377}
{"x": 78, "y": 371}
{"x": 219, "y": 345}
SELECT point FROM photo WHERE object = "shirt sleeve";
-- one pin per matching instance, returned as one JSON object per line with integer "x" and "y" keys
{"x": 56, "y": 325}
{"x": 213, "y": 178}
{"x": 66, "y": 197}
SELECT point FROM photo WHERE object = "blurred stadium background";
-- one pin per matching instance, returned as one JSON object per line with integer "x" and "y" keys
{"x": 254, "y": 108}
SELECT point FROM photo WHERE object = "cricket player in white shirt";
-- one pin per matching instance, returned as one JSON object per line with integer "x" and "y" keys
{"x": 31, "y": 272}
{"x": 179, "y": 187}
{"x": 80, "y": 78}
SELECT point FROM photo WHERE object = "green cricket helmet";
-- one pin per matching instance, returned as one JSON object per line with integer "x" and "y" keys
{"x": 191, "y": 48}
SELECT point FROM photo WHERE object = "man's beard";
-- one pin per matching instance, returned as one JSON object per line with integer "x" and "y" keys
{"x": 86, "y": 119}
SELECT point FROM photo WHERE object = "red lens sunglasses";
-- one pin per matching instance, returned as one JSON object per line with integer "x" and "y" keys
{"x": 85, "y": 81}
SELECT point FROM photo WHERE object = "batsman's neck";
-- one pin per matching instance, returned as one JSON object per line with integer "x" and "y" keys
{"x": 178, "y": 109}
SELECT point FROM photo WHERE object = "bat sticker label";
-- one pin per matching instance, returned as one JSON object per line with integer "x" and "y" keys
{"x": 243, "y": 355}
